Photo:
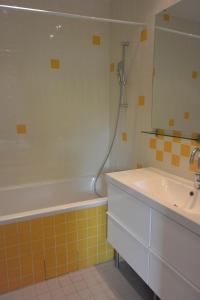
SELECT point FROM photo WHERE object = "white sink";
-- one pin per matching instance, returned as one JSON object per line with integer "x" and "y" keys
{"x": 169, "y": 191}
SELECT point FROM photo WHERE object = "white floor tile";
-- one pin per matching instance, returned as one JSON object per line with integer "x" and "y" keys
{"x": 102, "y": 282}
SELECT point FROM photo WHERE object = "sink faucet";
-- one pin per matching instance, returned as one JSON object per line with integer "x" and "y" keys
{"x": 196, "y": 151}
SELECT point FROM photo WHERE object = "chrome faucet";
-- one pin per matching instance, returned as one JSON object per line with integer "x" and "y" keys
{"x": 196, "y": 151}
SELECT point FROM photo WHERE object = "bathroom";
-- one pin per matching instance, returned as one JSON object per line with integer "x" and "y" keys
{"x": 84, "y": 87}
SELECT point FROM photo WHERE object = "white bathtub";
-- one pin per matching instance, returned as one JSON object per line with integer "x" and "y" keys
{"x": 29, "y": 201}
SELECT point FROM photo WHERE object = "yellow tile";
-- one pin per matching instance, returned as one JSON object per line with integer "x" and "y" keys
{"x": 26, "y": 265}
{"x": 82, "y": 214}
{"x": 159, "y": 155}
{"x": 11, "y": 229}
{"x": 12, "y": 252}
{"x": 71, "y": 236}
{"x": 194, "y": 136}
{"x": 11, "y": 240}
{"x": 194, "y": 74}
{"x": 59, "y": 219}
{"x": 178, "y": 134}
{"x": 24, "y": 237}
{"x": 92, "y": 212}
{"x": 92, "y": 241}
{"x": 72, "y": 226}
{"x": 25, "y": 248}
{"x": 21, "y": 129}
{"x": 112, "y": 67}
{"x": 168, "y": 146}
{"x": 39, "y": 276}
{"x": 28, "y": 280}
{"x": 92, "y": 251}
{"x": 61, "y": 239}
{"x": 82, "y": 244}
{"x": 49, "y": 232}
{"x": 160, "y": 133}
{"x": 24, "y": 227}
{"x": 185, "y": 150}
{"x": 141, "y": 100}
{"x": 194, "y": 166}
{"x": 37, "y": 245}
{"x": 55, "y": 63}
{"x": 82, "y": 234}
{"x": 152, "y": 143}
{"x": 166, "y": 17}
{"x": 50, "y": 273}
{"x": 71, "y": 216}
{"x": 171, "y": 122}
{"x": 48, "y": 221}
{"x": 143, "y": 35}
{"x": 60, "y": 228}
{"x": 124, "y": 136}
{"x": 175, "y": 160}
{"x": 92, "y": 222}
{"x": 186, "y": 115}
{"x": 49, "y": 242}
{"x": 92, "y": 231}
{"x": 96, "y": 40}
{"x": 13, "y": 263}
{"x": 81, "y": 224}
{"x": 61, "y": 270}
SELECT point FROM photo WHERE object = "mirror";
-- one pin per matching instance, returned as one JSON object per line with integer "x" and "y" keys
{"x": 176, "y": 84}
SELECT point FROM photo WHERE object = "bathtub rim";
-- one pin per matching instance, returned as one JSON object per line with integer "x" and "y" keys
{"x": 52, "y": 210}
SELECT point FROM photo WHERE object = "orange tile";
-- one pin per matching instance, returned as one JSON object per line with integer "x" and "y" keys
{"x": 171, "y": 122}
{"x": 194, "y": 166}
{"x": 178, "y": 135}
{"x": 21, "y": 129}
{"x": 152, "y": 143}
{"x": 194, "y": 74}
{"x": 185, "y": 150}
{"x": 166, "y": 17}
{"x": 55, "y": 63}
{"x": 112, "y": 67}
{"x": 143, "y": 35}
{"x": 96, "y": 40}
{"x": 141, "y": 100}
{"x": 124, "y": 136}
{"x": 168, "y": 146}
{"x": 186, "y": 115}
{"x": 159, "y": 155}
{"x": 175, "y": 160}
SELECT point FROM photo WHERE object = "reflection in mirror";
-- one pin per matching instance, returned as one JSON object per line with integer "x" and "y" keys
{"x": 176, "y": 89}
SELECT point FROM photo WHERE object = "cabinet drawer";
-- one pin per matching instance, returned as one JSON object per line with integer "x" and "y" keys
{"x": 132, "y": 213}
{"x": 134, "y": 253}
{"x": 168, "y": 284}
{"x": 177, "y": 246}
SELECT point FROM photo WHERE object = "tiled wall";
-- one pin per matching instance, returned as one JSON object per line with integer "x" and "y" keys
{"x": 173, "y": 153}
{"x": 35, "y": 250}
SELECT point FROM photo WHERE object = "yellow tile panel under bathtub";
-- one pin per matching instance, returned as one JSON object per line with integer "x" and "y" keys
{"x": 32, "y": 251}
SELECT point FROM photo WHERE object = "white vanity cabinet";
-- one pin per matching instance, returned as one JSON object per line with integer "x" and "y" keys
{"x": 163, "y": 253}
{"x": 128, "y": 229}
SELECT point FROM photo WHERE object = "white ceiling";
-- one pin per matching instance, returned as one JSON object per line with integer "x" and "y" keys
{"x": 186, "y": 9}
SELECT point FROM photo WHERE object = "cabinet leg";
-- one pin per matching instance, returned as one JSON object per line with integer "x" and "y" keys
{"x": 116, "y": 257}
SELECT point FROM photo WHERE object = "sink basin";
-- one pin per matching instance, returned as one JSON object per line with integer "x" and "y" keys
{"x": 167, "y": 190}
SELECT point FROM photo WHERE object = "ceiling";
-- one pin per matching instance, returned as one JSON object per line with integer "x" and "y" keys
{"x": 186, "y": 9}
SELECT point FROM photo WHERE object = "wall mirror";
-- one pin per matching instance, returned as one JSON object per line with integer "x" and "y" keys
{"x": 176, "y": 83}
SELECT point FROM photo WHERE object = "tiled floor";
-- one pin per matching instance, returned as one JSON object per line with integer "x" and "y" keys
{"x": 100, "y": 282}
